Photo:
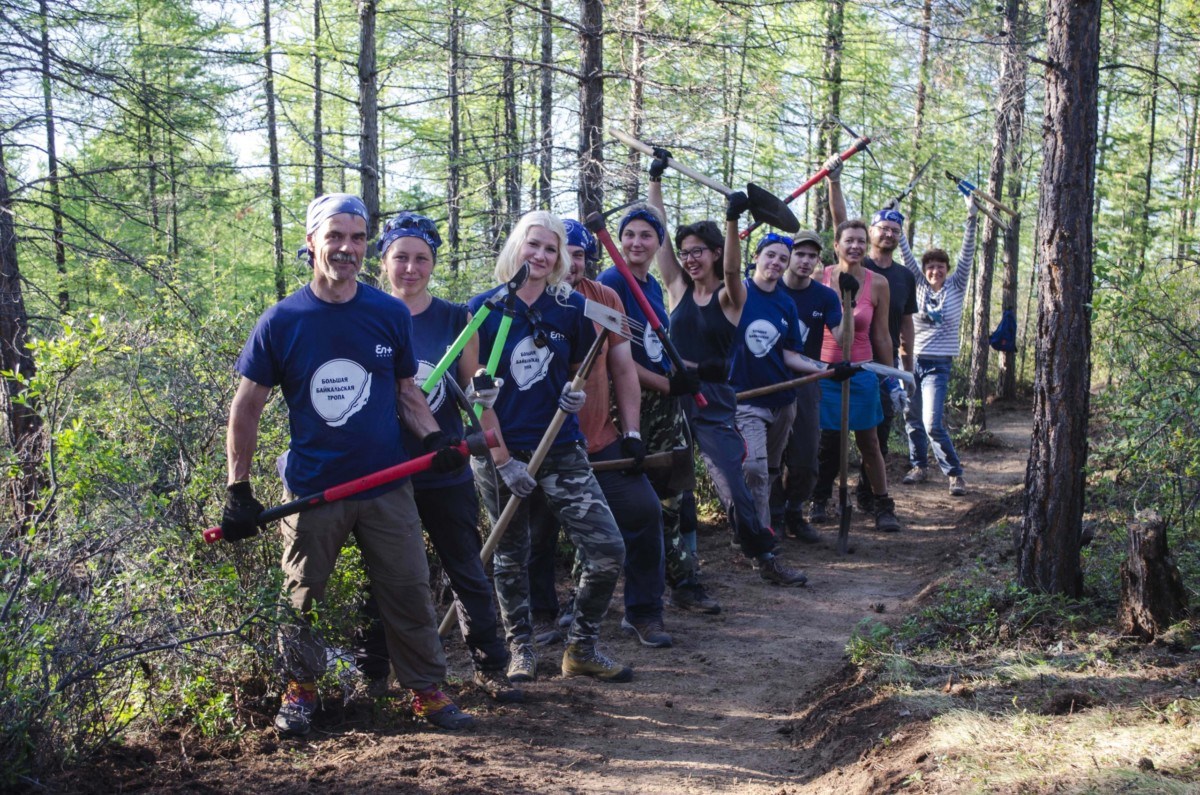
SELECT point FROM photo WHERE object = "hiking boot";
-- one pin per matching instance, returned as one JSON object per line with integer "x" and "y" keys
{"x": 773, "y": 570}
{"x": 694, "y": 597}
{"x": 378, "y": 687}
{"x": 584, "y": 659}
{"x": 864, "y": 498}
{"x": 649, "y": 632}
{"x": 801, "y": 530}
{"x": 498, "y": 686}
{"x": 958, "y": 486}
{"x": 439, "y": 709}
{"x": 522, "y": 667}
{"x": 546, "y": 632}
{"x": 915, "y": 475}
{"x": 296, "y": 708}
{"x": 819, "y": 512}
{"x": 885, "y": 515}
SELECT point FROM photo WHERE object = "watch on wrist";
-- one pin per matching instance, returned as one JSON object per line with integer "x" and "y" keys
{"x": 632, "y": 435}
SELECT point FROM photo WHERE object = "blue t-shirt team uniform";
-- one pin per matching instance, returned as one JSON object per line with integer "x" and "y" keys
{"x": 818, "y": 308}
{"x": 769, "y": 325}
{"x": 337, "y": 367}
{"x": 434, "y": 331}
{"x": 649, "y": 353}
{"x": 534, "y": 376}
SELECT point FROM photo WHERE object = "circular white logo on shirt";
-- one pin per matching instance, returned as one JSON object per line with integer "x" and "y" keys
{"x": 761, "y": 336}
{"x": 529, "y": 363}
{"x": 338, "y": 390}
{"x": 652, "y": 344}
{"x": 437, "y": 395}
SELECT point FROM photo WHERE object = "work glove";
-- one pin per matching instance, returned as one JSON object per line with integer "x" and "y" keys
{"x": 571, "y": 400}
{"x": 683, "y": 382}
{"x": 842, "y": 371}
{"x": 834, "y": 164}
{"x": 714, "y": 370}
{"x": 633, "y": 447}
{"x": 659, "y": 164}
{"x": 240, "y": 518}
{"x": 896, "y": 393}
{"x": 848, "y": 284}
{"x": 972, "y": 206}
{"x": 736, "y": 204}
{"x": 483, "y": 390}
{"x": 516, "y": 476}
{"x": 446, "y": 458}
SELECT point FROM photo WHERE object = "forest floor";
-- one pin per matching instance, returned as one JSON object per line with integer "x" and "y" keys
{"x": 759, "y": 699}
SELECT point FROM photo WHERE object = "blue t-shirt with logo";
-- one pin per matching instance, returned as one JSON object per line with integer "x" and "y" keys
{"x": 648, "y": 350}
{"x": 769, "y": 325}
{"x": 818, "y": 307}
{"x": 434, "y": 331}
{"x": 337, "y": 366}
{"x": 534, "y": 374}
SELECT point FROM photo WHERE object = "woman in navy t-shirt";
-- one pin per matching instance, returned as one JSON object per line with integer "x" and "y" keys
{"x": 548, "y": 340}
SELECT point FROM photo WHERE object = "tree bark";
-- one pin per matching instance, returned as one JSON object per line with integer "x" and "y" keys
{"x": 919, "y": 120}
{"x": 591, "y": 107}
{"x": 546, "y": 160}
{"x": 368, "y": 114}
{"x": 454, "y": 167}
{"x": 1048, "y": 552}
{"x": 637, "y": 94}
{"x": 1144, "y": 230}
{"x": 60, "y": 253}
{"x": 23, "y": 426}
{"x": 512, "y": 142}
{"x": 832, "y": 71}
{"x": 273, "y": 154}
{"x": 1015, "y": 89}
{"x": 318, "y": 131}
{"x": 1152, "y": 592}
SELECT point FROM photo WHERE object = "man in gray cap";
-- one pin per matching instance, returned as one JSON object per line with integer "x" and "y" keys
{"x": 341, "y": 353}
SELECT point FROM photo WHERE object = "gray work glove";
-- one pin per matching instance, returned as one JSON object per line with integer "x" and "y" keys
{"x": 834, "y": 164}
{"x": 571, "y": 400}
{"x": 516, "y": 476}
{"x": 484, "y": 396}
{"x": 972, "y": 207}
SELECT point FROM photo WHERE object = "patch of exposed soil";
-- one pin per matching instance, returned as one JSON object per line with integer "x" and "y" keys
{"x": 726, "y": 710}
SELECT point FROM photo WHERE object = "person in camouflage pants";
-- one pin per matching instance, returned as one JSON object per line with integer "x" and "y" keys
{"x": 664, "y": 429}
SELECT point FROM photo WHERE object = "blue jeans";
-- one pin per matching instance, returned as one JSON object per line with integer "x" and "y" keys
{"x": 924, "y": 418}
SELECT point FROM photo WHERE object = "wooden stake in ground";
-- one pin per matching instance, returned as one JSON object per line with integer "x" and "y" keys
{"x": 1152, "y": 592}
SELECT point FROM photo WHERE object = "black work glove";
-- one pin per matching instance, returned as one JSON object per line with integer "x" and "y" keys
{"x": 659, "y": 164}
{"x": 848, "y": 284}
{"x": 714, "y": 370}
{"x": 842, "y": 372}
{"x": 240, "y": 518}
{"x": 633, "y": 447}
{"x": 736, "y": 204}
{"x": 683, "y": 382}
{"x": 447, "y": 458}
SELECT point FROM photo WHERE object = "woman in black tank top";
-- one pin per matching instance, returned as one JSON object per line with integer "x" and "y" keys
{"x": 706, "y": 308}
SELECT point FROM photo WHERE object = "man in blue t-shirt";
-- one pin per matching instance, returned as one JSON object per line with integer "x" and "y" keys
{"x": 341, "y": 353}
{"x": 818, "y": 308}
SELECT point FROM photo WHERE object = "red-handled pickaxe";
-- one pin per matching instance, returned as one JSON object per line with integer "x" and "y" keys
{"x": 474, "y": 444}
{"x": 859, "y": 145}
{"x": 595, "y": 222}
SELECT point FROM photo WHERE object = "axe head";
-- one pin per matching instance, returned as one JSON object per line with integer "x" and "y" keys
{"x": 607, "y": 318}
{"x": 767, "y": 208}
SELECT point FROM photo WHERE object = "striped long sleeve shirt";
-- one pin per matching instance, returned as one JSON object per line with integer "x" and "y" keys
{"x": 939, "y": 313}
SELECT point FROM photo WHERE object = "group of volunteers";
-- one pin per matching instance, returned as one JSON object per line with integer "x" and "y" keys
{"x": 351, "y": 360}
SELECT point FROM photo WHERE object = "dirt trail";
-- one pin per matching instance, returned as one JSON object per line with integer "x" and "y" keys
{"x": 709, "y": 715}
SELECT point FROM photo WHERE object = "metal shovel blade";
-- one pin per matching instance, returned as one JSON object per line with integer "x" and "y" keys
{"x": 767, "y": 208}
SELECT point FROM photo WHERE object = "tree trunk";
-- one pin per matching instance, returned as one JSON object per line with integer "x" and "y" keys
{"x": 512, "y": 143}
{"x": 23, "y": 426}
{"x": 318, "y": 132}
{"x": 546, "y": 161}
{"x": 1014, "y": 106}
{"x": 454, "y": 167}
{"x": 273, "y": 154}
{"x": 60, "y": 253}
{"x": 832, "y": 67}
{"x": 919, "y": 121}
{"x": 1048, "y": 553}
{"x": 1152, "y": 592}
{"x": 637, "y": 93}
{"x": 591, "y": 107}
{"x": 1144, "y": 227}
{"x": 368, "y": 115}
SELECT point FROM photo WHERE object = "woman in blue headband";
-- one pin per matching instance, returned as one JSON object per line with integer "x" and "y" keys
{"x": 707, "y": 306}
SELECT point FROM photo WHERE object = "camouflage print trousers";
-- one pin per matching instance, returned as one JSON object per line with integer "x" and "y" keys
{"x": 575, "y": 499}
{"x": 664, "y": 428}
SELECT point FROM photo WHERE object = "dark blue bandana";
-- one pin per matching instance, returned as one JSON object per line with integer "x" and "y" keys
{"x": 642, "y": 214}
